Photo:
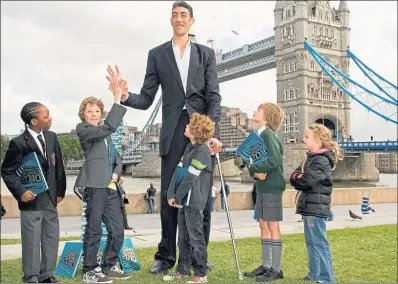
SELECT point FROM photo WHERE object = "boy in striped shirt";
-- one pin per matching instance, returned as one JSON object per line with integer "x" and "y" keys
{"x": 191, "y": 197}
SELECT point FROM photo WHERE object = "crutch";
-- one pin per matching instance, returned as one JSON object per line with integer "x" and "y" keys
{"x": 231, "y": 230}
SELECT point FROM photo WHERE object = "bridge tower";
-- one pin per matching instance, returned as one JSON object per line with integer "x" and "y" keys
{"x": 306, "y": 94}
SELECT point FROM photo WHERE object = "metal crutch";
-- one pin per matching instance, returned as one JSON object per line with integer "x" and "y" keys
{"x": 231, "y": 230}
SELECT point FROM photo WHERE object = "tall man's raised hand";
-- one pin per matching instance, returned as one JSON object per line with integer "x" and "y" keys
{"x": 115, "y": 84}
{"x": 114, "y": 73}
{"x": 118, "y": 74}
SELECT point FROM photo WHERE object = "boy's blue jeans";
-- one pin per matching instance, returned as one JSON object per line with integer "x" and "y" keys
{"x": 318, "y": 249}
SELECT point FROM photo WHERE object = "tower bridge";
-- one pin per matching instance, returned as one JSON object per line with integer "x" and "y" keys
{"x": 309, "y": 47}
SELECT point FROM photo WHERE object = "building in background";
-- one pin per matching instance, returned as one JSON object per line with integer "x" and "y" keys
{"x": 387, "y": 162}
{"x": 235, "y": 126}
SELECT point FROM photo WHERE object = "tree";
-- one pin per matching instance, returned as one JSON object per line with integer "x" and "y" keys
{"x": 4, "y": 146}
{"x": 70, "y": 148}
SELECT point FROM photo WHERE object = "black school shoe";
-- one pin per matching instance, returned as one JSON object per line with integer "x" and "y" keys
{"x": 51, "y": 279}
{"x": 256, "y": 272}
{"x": 159, "y": 267}
{"x": 270, "y": 275}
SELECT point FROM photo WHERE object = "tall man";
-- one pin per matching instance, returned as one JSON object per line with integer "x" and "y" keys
{"x": 188, "y": 76}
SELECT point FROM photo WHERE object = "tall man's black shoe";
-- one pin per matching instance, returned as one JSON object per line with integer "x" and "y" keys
{"x": 51, "y": 279}
{"x": 159, "y": 267}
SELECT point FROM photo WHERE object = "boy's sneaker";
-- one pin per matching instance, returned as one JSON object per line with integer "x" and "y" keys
{"x": 198, "y": 279}
{"x": 175, "y": 276}
{"x": 96, "y": 276}
{"x": 117, "y": 273}
{"x": 257, "y": 272}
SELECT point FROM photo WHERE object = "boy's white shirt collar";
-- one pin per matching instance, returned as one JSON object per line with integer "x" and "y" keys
{"x": 261, "y": 129}
{"x": 35, "y": 135}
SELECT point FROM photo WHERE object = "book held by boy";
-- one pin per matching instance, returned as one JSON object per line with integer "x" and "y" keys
{"x": 30, "y": 174}
{"x": 253, "y": 148}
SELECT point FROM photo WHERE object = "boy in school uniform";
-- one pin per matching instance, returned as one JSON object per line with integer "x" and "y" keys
{"x": 98, "y": 177}
{"x": 38, "y": 213}
{"x": 191, "y": 197}
{"x": 270, "y": 185}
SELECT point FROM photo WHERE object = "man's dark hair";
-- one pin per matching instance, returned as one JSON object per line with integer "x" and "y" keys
{"x": 29, "y": 112}
{"x": 184, "y": 5}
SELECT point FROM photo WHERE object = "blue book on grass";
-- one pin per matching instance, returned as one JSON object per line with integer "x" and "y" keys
{"x": 128, "y": 257}
{"x": 69, "y": 260}
{"x": 30, "y": 174}
{"x": 253, "y": 148}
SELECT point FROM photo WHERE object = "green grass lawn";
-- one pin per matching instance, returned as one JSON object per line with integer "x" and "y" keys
{"x": 359, "y": 255}
{"x": 18, "y": 241}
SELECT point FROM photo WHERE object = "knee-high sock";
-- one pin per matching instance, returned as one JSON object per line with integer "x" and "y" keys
{"x": 276, "y": 254}
{"x": 266, "y": 249}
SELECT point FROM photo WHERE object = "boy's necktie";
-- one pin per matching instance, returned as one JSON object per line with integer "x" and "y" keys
{"x": 43, "y": 146}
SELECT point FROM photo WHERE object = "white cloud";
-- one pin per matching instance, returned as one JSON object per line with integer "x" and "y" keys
{"x": 57, "y": 53}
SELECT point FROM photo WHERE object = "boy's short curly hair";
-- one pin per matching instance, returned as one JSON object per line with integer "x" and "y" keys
{"x": 90, "y": 101}
{"x": 201, "y": 128}
{"x": 273, "y": 114}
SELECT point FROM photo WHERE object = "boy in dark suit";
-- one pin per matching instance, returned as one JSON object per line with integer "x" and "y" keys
{"x": 39, "y": 216}
{"x": 98, "y": 176}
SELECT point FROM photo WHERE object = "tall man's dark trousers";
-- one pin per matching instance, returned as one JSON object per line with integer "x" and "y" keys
{"x": 168, "y": 214}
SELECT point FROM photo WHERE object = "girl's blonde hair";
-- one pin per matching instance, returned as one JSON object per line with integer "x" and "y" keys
{"x": 273, "y": 114}
{"x": 325, "y": 135}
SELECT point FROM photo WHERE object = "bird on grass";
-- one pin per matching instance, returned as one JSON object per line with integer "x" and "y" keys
{"x": 354, "y": 216}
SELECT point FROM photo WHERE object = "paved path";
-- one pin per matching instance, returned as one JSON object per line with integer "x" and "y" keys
{"x": 148, "y": 226}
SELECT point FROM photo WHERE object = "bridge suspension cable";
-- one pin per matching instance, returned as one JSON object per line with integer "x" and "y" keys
{"x": 378, "y": 101}
{"x": 145, "y": 131}
{"x": 363, "y": 66}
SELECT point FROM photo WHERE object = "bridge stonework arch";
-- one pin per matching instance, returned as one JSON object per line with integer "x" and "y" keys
{"x": 303, "y": 91}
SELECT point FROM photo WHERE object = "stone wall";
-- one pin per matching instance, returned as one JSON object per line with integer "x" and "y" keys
{"x": 149, "y": 167}
{"x": 357, "y": 167}
{"x": 72, "y": 206}
{"x": 354, "y": 166}
{"x": 228, "y": 169}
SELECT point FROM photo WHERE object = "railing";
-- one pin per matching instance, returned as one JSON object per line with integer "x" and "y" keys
{"x": 363, "y": 146}
{"x": 370, "y": 145}
{"x": 246, "y": 66}
{"x": 248, "y": 49}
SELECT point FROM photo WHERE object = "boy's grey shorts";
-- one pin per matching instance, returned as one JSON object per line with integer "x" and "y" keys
{"x": 269, "y": 206}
